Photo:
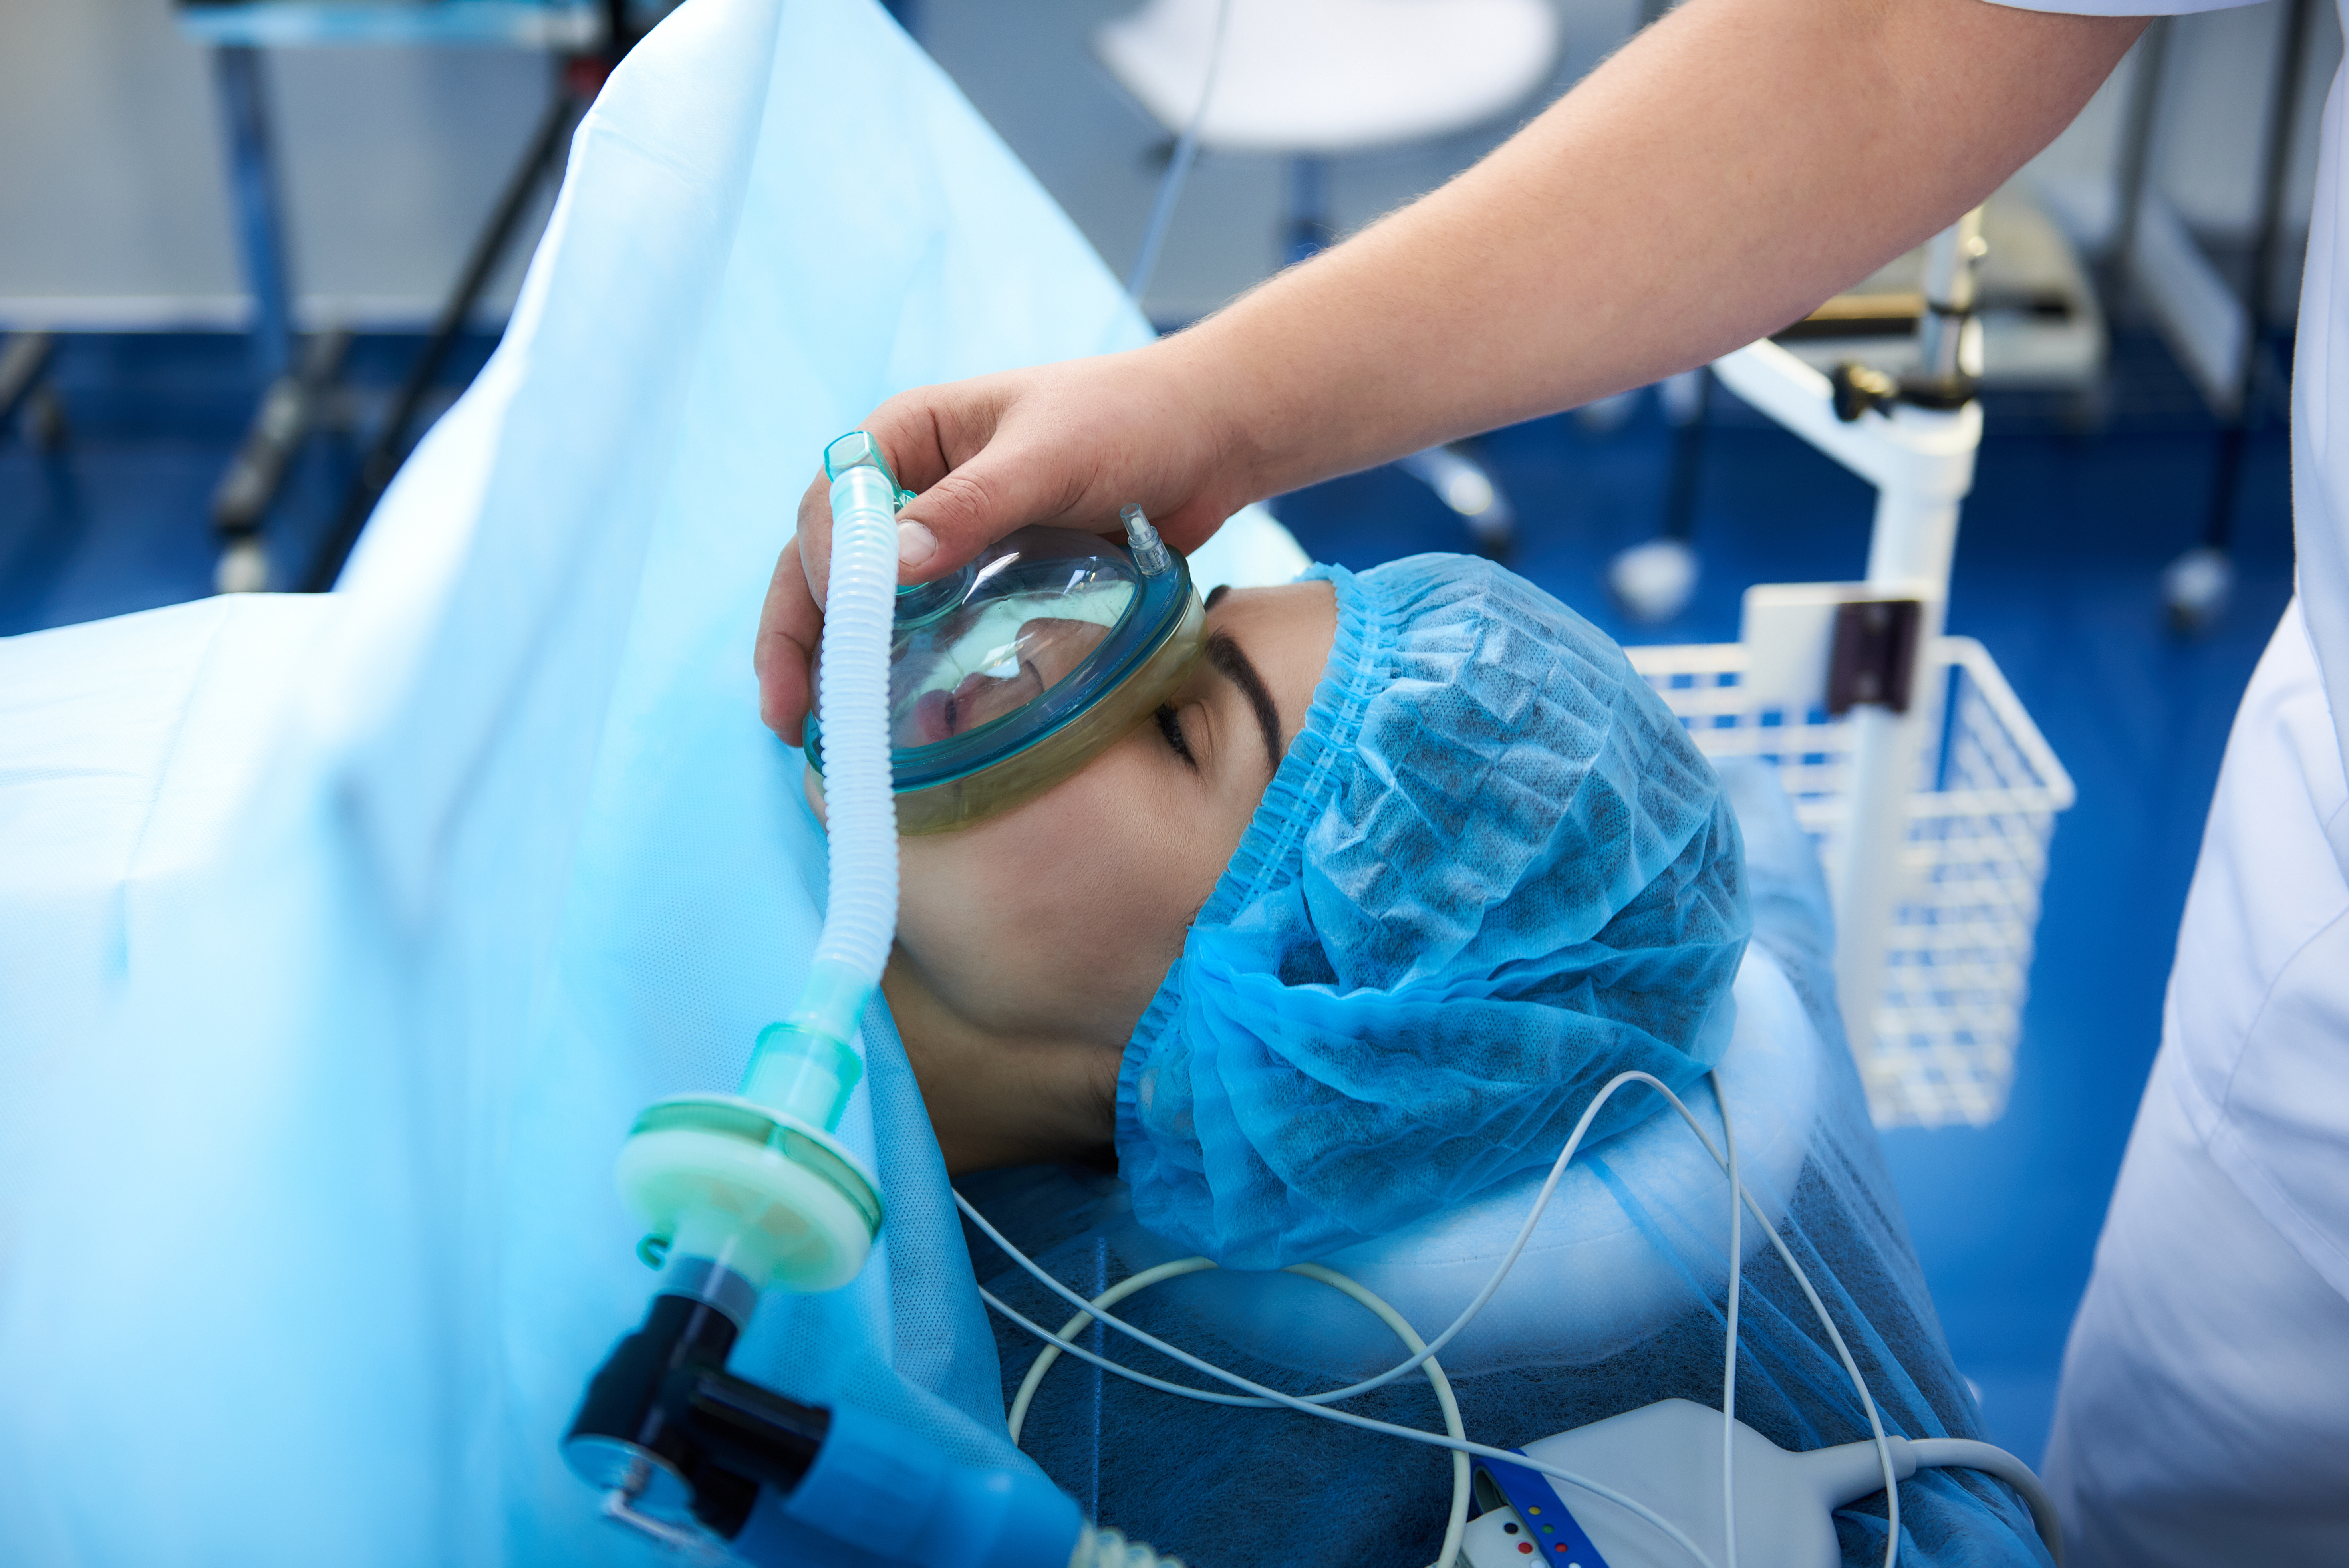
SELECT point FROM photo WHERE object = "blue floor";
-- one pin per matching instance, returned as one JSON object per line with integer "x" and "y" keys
{"x": 2062, "y": 542}
{"x": 115, "y": 519}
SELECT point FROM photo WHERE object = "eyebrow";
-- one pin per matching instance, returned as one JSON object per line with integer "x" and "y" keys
{"x": 1232, "y": 661}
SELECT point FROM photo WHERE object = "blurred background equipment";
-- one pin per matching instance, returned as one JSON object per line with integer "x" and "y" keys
{"x": 301, "y": 371}
{"x": 2040, "y": 329}
{"x": 269, "y": 242}
{"x": 2225, "y": 311}
{"x": 26, "y": 397}
{"x": 2043, "y": 325}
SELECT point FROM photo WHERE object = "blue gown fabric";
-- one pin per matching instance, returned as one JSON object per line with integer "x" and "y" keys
{"x": 341, "y": 938}
{"x": 1491, "y": 872}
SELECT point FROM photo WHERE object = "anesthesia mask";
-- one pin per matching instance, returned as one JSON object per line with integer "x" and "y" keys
{"x": 1010, "y": 673}
{"x": 991, "y": 686}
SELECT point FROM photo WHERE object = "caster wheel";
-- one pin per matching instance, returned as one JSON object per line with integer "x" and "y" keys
{"x": 1653, "y": 582}
{"x": 243, "y": 568}
{"x": 2196, "y": 588}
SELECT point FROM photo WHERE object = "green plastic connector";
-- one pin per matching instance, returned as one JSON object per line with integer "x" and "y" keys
{"x": 858, "y": 449}
{"x": 804, "y": 1073}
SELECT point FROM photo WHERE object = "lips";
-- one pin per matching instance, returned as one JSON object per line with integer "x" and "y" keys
{"x": 933, "y": 717}
{"x": 1048, "y": 649}
{"x": 940, "y": 716}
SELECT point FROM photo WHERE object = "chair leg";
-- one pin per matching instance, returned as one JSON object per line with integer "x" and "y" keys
{"x": 1463, "y": 483}
{"x": 1305, "y": 231}
{"x": 25, "y": 389}
{"x": 540, "y": 161}
{"x": 2197, "y": 586}
{"x": 259, "y": 209}
{"x": 290, "y": 410}
{"x": 1655, "y": 580}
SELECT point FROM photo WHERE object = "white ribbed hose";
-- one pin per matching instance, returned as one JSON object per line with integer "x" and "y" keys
{"x": 806, "y": 1066}
{"x": 860, "y": 917}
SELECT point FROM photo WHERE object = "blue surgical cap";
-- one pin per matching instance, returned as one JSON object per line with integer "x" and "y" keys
{"x": 1491, "y": 873}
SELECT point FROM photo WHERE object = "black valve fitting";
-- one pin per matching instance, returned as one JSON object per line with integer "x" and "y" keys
{"x": 626, "y": 1436}
{"x": 664, "y": 1422}
{"x": 1858, "y": 388}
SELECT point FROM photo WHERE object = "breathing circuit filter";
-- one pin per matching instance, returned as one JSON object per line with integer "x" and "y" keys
{"x": 1010, "y": 674}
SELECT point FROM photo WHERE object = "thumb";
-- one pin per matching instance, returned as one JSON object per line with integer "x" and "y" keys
{"x": 813, "y": 541}
{"x": 1000, "y": 489}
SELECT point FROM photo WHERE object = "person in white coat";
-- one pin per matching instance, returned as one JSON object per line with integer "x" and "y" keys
{"x": 1730, "y": 168}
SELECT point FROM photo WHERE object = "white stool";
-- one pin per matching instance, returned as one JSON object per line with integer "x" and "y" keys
{"x": 1311, "y": 80}
{"x": 1324, "y": 79}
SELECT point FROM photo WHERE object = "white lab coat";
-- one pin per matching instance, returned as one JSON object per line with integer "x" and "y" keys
{"x": 2203, "y": 1416}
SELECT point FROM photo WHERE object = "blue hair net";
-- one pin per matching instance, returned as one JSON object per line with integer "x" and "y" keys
{"x": 1491, "y": 873}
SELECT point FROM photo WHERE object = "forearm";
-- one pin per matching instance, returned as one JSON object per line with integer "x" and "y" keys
{"x": 1728, "y": 170}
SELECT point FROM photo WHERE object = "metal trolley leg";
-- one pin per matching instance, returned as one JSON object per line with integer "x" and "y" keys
{"x": 389, "y": 448}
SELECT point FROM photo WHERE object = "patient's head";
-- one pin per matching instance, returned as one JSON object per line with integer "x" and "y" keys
{"x": 1371, "y": 933}
{"x": 1029, "y": 942}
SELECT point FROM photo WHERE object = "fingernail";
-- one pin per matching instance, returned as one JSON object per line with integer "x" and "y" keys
{"x": 915, "y": 544}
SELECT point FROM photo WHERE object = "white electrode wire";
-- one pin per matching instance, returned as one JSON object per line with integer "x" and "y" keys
{"x": 1455, "y": 1525}
{"x": 1344, "y": 1417}
{"x": 1204, "y": 1395}
{"x": 1178, "y": 168}
{"x": 1835, "y": 1336}
{"x": 1964, "y": 1453}
{"x": 1076, "y": 1325}
{"x": 1316, "y": 1404}
{"x": 1500, "y": 1272}
{"x": 1525, "y": 1232}
{"x": 1851, "y": 1369}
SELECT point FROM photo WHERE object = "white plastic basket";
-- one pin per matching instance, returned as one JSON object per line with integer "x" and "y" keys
{"x": 1958, "y": 961}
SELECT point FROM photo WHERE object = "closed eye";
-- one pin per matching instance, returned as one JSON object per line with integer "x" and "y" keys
{"x": 1171, "y": 726}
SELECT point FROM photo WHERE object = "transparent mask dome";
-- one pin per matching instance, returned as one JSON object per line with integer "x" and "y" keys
{"x": 1010, "y": 673}
{"x": 1005, "y": 631}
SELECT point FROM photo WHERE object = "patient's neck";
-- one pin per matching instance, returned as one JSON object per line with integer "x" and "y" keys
{"x": 998, "y": 1098}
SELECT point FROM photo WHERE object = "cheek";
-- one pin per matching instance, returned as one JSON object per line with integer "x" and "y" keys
{"x": 1131, "y": 862}
{"x": 1071, "y": 906}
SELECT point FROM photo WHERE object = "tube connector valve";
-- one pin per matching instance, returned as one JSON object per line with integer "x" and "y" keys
{"x": 1150, "y": 552}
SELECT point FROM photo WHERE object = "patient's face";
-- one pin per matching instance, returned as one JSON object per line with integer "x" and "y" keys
{"x": 1055, "y": 922}
{"x": 1076, "y": 902}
